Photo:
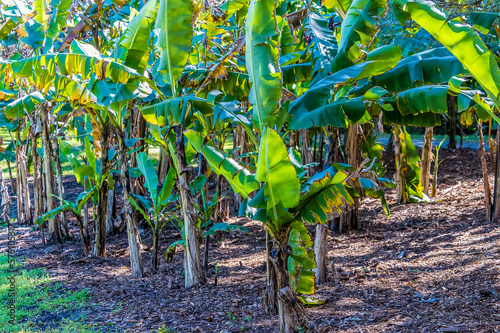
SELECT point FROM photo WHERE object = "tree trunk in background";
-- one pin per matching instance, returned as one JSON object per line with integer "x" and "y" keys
{"x": 13, "y": 183}
{"x": 307, "y": 154}
{"x": 37, "y": 178}
{"x": 60, "y": 186}
{"x": 270, "y": 294}
{"x": 28, "y": 216}
{"x": 102, "y": 196}
{"x": 286, "y": 297}
{"x": 492, "y": 145}
{"x": 320, "y": 250}
{"x": 496, "y": 188}
{"x": 400, "y": 181}
{"x": 486, "y": 183}
{"x": 192, "y": 262}
{"x": 350, "y": 219}
{"x": 86, "y": 215}
{"x": 452, "y": 122}
{"x": 132, "y": 230}
{"x": 20, "y": 197}
{"x": 334, "y": 147}
{"x": 319, "y": 158}
{"x": 163, "y": 167}
{"x": 426, "y": 159}
{"x": 109, "y": 212}
{"x": 54, "y": 231}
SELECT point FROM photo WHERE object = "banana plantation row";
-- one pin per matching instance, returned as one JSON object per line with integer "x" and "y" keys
{"x": 301, "y": 89}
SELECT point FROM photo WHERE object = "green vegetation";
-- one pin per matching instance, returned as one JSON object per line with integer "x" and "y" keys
{"x": 41, "y": 304}
{"x": 274, "y": 106}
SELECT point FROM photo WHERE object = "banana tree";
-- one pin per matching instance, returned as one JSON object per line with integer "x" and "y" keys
{"x": 465, "y": 44}
{"x": 158, "y": 203}
{"x": 76, "y": 209}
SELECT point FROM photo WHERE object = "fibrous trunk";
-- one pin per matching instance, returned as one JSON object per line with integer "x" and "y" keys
{"x": 350, "y": 219}
{"x": 398, "y": 177}
{"x": 60, "y": 187}
{"x": 486, "y": 183}
{"x": 320, "y": 250}
{"x": 426, "y": 159}
{"x": 54, "y": 232}
{"x": 132, "y": 230}
{"x": 192, "y": 262}
{"x": 452, "y": 123}
{"x": 102, "y": 196}
{"x": 307, "y": 154}
{"x": 37, "y": 176}
{"x": 286, "y": 296}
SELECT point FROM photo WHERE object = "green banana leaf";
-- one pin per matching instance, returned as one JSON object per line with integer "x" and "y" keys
{"x": 262, "y": 61}
{"x": 357, "y": 32}
{"x": 274, "y": 169}
{"x": 435, "y": 66}
{"x": 377, "y": 62}
{"x": 174, "y": 41}
{"x": 301, "y": 262}
{"x": 136, "y": 38}
{"x": 462, "y": 41}
{"x": 240, "y": 179}
{"x": 17, "y": 108}
{"x": 149, "y": 173}
{"x": 325, "y": 194}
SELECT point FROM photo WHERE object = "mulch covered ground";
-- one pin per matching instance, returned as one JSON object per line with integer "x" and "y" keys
{"x": 429, "y": 267}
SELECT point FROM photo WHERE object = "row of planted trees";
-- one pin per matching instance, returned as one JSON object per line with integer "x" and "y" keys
{"x": 300, "y": 88}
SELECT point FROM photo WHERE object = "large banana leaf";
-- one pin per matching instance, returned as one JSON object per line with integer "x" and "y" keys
{"x": 42, "y": 9}
{"x": 150, "y": 176}
{"x": 58, "y": 19}
{"x": 340, "y": 6}
{"x": 331, "y": 114}
{"x": 17, "y": 108}
{"x": 358, "y": 30}
{"x": 69, "y": 64}
{"x": 174, "y": 41}
{"x": 281, "y": 184}
{"x": 173, "y": 111}
{"x": 240, "y": 179}
{"x": 136, "y": 39}
{"x": 262, "y": 61}
{"x": 377, "y": 62}
{"x": 324, "y": 195}
{"x": 435, "y": 66}
{"x": 301, "y": 262}
{"x": 462, "y": 41}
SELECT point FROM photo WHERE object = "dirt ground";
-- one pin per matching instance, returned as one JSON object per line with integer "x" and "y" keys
{"x": 429, "y": 267}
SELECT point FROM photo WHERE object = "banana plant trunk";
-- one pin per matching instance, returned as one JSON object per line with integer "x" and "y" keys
{"x": 54, "y": 232}
{"x": 86, "y": 215}
{"x": 350, "y": 219}
{"x": 398, "y": 177}
{"x": 426, "y": 159}
{"x": 496, "y": 190}
{"x": 156, "y": 241}
{"x": 452, "y": 123}
{"x": 320, "y": 250}
{"x": 132, "y": 230}
{"x": 109, "y": 212}
{"x": 486, "y": 183}
{"x": 60, "y": 186}
{"x": 102, "y": 196}
{"x": 37, "y": 177}
{"x": 307, "y": 154}
{"x": 192, "y": 259}
{"x": 286, "y": 297}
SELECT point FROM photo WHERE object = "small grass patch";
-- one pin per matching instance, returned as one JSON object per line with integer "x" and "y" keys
{"x": 41, "y": 304}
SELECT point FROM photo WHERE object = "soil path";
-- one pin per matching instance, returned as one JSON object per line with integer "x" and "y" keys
{"x": 429, "y": 267}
